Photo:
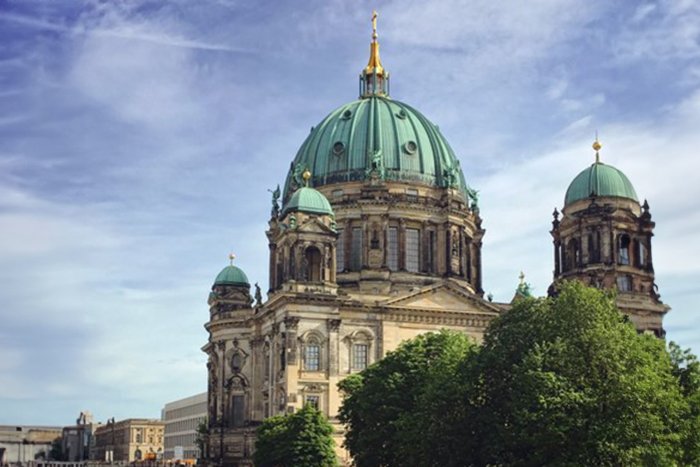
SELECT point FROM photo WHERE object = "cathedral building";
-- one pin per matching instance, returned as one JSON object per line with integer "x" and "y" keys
{"x": 376, "y": 238}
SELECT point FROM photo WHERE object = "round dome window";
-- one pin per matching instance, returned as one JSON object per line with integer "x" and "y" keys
{"x": 410, "y": 147}
{"x": 338, "y": 148}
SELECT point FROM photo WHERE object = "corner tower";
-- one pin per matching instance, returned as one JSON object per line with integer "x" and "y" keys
{"x": 604, "y": 240}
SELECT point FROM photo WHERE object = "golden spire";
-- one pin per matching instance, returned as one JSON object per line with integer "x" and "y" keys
{"x": 596, "y": 147}
{"x": 374, "y": 66}
{"x": 521, "y": 276}
{"x": 306, "y": 176}
{"x": 231, "y": 257}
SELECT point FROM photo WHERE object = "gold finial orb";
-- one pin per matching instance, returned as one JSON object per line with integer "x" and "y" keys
{"x": 597, "y": 145}
{"x": 306, "y": 176}
{"x": 231, "y": 257}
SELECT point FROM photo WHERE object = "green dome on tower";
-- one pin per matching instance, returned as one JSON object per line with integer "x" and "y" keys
{"x": 600, "y": 180}
{"x": 308, "y": 200}
{"x": 232, "y": 275}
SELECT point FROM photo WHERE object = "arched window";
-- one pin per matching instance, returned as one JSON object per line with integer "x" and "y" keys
{"x": 356, "y": 249}
{"x": 360, "y": 345}
{"x": 623, "y": 248}
{"x": 312, "y": 264}
{"x": 312, "y": 352}
{"x": 573, "y": 254}
{"x": 237, "y": 415}
{"x": 392, "y": 252}
{"x": 412, "y": 250}
{"x": 340, "y": 251}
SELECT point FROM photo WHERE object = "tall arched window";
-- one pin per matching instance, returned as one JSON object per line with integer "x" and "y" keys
{"x": 623, "y": 248}
{"x": 340, "y": 251}
{"x": 392, "y": 252}
{"x": 412, "y": 250}
{"x": 573, "y": 254}
{"x": 312, "y": 264}
{"x": 312, "y": 349}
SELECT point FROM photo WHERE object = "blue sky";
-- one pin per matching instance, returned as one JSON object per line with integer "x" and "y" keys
{"x": 138, "y": 140}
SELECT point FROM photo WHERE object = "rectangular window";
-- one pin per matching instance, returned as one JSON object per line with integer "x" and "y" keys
{"x": 340, "y": 251}
{"x": 356, "y": 250}
{"x": 312, "y": 357}
{"x": 392, "y": 252}
{"x": 624, "y": 284}
{"x": 359, "y": 356}
{"x": 412, "y": 250}
{"x": 238, "y": 409}
{"x": 312, "y": 401}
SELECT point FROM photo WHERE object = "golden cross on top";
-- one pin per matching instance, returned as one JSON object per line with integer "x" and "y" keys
{"x": 374, "y": 24}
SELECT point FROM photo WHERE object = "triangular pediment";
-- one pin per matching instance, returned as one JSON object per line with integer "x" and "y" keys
{"x": 446, "y": 297}
{"x": 315, "y": 226}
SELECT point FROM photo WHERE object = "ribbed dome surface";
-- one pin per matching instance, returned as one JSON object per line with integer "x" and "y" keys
{"x": 231, "y": 275}
{"x": 344, "y": 146}
{"x": 600, "y": 180}
{"x": 308, "y": 200}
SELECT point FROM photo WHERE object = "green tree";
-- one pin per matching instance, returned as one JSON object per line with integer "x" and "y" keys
{"x": 395, "y": 409}
{"x": 300, "y": 439}
{"x": 56, "y": 452}
{"x": 568, "y": 381}
{"x": 563, "y": 381}
{"x": 202, "y": 437}
{"x": 687, "y": 369}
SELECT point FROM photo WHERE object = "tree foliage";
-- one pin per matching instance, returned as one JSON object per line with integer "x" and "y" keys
{"x": 384, "y": 402}
{"x": 303, "y": 438}
{"x": 558, "y": 381}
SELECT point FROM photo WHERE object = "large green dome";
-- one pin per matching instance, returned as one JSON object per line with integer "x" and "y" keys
{"x": 376, "y": 130}
{"x": 231, "y": 275}
{"x": 600, "y": 180}
{"x": 308, "y": 200}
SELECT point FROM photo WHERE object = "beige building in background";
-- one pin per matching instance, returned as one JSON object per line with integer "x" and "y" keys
{"x": 182, "y": 418}
{"x": 21, "y": 444}
{"x": 129, "y": 440}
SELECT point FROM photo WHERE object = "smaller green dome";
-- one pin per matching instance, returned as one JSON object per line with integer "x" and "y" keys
{"x": 600, "y": 180}
{"x": 231, "y": 275}
{"x": 308, "y": 200}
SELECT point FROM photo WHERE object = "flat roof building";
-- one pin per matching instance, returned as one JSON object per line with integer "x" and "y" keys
{"x": 182, "y": 417}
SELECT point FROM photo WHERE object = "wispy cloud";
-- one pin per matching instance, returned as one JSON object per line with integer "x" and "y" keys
{"x": 125, "y": 32}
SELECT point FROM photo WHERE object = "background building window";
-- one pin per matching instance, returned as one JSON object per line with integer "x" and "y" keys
{"x": 359, "y": 356}
{"x": 412, "y": 250}
{"x": 312, "y": 357}
{"x": 356, "y": 250}
{"x": 392, "y": 252}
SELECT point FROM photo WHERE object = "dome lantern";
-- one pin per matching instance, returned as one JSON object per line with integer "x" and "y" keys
{"x": 374, "y": 80}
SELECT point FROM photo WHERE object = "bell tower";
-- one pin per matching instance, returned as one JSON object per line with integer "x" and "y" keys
{"x": 604, "y": 240}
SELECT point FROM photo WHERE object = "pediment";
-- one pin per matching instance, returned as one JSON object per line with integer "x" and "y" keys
{"x": 444, "y": 297}
{"x": 315, "y": 226}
